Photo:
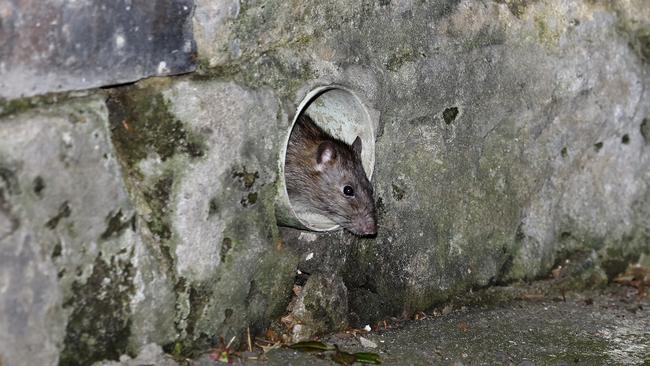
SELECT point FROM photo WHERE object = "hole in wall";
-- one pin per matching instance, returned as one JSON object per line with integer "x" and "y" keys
{"x": 564, "y": 152}
{"x": 39, "y": 186}
{"x": 340, "y": 112}
{"x": 625, "y": 139}
{"x": 227, "y": 313}
{"x": 226, "y": 244}
{"x": 598, "y": 146}
{"x": 450, "y": 114}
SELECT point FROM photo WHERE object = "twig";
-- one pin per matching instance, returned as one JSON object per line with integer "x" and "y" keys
{"x": 250, "y": 342}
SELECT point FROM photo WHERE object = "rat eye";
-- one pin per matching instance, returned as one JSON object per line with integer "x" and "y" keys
{"x": 348, "y": 191}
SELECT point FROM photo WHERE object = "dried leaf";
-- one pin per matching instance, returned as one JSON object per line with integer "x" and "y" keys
{"x": 267, "y": 348}
{"x": 447, "y": 309}
{"x": 636, "y": 276}
{"x": 297, "y": 290}
{"x": 272, "y": 336}
{"x": 463, "y": 327}
{"x": 288, "y": 320}
{"x": 532, "y": 296}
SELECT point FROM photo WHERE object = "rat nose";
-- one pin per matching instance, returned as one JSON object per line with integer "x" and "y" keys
{"x": 367, "y": 227}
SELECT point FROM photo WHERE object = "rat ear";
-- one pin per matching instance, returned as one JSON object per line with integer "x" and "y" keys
{"x": 356, "y": 146}
{"x": 326, "y": 153}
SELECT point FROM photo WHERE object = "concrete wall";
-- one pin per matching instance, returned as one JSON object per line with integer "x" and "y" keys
{"x": 512, "y": 134}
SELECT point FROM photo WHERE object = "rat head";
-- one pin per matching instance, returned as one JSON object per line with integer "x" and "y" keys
{"x": 346, "y": 191}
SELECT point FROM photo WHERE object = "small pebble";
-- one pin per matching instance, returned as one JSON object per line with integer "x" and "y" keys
{"x": 367, "y": 343}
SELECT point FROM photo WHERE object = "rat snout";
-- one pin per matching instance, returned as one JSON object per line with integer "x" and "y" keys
{"x": 366, "y": 226}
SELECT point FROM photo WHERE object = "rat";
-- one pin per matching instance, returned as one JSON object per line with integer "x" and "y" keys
{"x": 325, "y": 176}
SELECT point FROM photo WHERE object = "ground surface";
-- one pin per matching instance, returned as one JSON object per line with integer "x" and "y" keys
{"x": 515, "y": 325}
{"x": 593, "y": 328}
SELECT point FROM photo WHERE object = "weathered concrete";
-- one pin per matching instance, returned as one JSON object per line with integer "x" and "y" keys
{"x": 199, "y": 158}
{"x": 510, "y": 132}
{"x": 320, "y": 307}
{"x": 513, "y": 325}
{"x": 588, "y": 329}
{"x": 59, "y": 45}
{"x": 67, "y": 238}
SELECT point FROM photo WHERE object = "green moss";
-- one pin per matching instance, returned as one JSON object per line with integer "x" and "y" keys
{"x": 141, "y": 123}
{"x": 564, "y": 152}
{"x": 99, "y": 326}
{"x": 247, "y": 179}
{"x": 222, "y": 71}
{"x": 303, "y": 40}
{"x": 396, "y": 60}
{"x": 486, "y": 37}
{"x": 226, "y": 245}
{"x": 249, "y": 199}
{"x": 545, "y": 34}
{"x": 273, "y": 281}
{"x": 199, "y": 297}
{"x": 213, "y": 206}
{"x": 516, "y": 7}
{"x": 264, "y": 70}
{"x": 16, "y": 106}
{"x": 638, "y": 37}
{"x": 398, "y": 192}
{"x": 640, "y": 43}
{"x": 157, "y": 197}
{"x": 181, "y": 350}
{"x": 615, "y": 260}
{"x": 261, "y": 65}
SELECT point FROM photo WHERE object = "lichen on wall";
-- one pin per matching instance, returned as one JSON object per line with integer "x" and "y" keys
{"x": 70, "y": 220}
{"x": 202, "y": 172}
{"x": 505, "y": 128}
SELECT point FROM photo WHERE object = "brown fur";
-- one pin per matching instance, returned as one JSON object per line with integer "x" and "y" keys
{"x": 319, "y": 187}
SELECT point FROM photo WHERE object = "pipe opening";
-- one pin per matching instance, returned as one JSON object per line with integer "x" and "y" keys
{"x": 342, "y": 114}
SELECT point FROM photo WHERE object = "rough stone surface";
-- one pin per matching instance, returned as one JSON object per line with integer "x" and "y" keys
{"x": 58, "y": 45}
{"x": 511, "y": 133}
{"x": 320, "y": 307}
{"x": 66, "y": 238}
{"x": 150, "y": 354}
{"x": 199, "y": 158}
{"x": 596, "y": 327}
{"x": 591, "y": 328}
{"x": 513, "y": 136}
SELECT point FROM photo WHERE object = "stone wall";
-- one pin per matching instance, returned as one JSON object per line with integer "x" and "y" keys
{"x": 513, "y": 135}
